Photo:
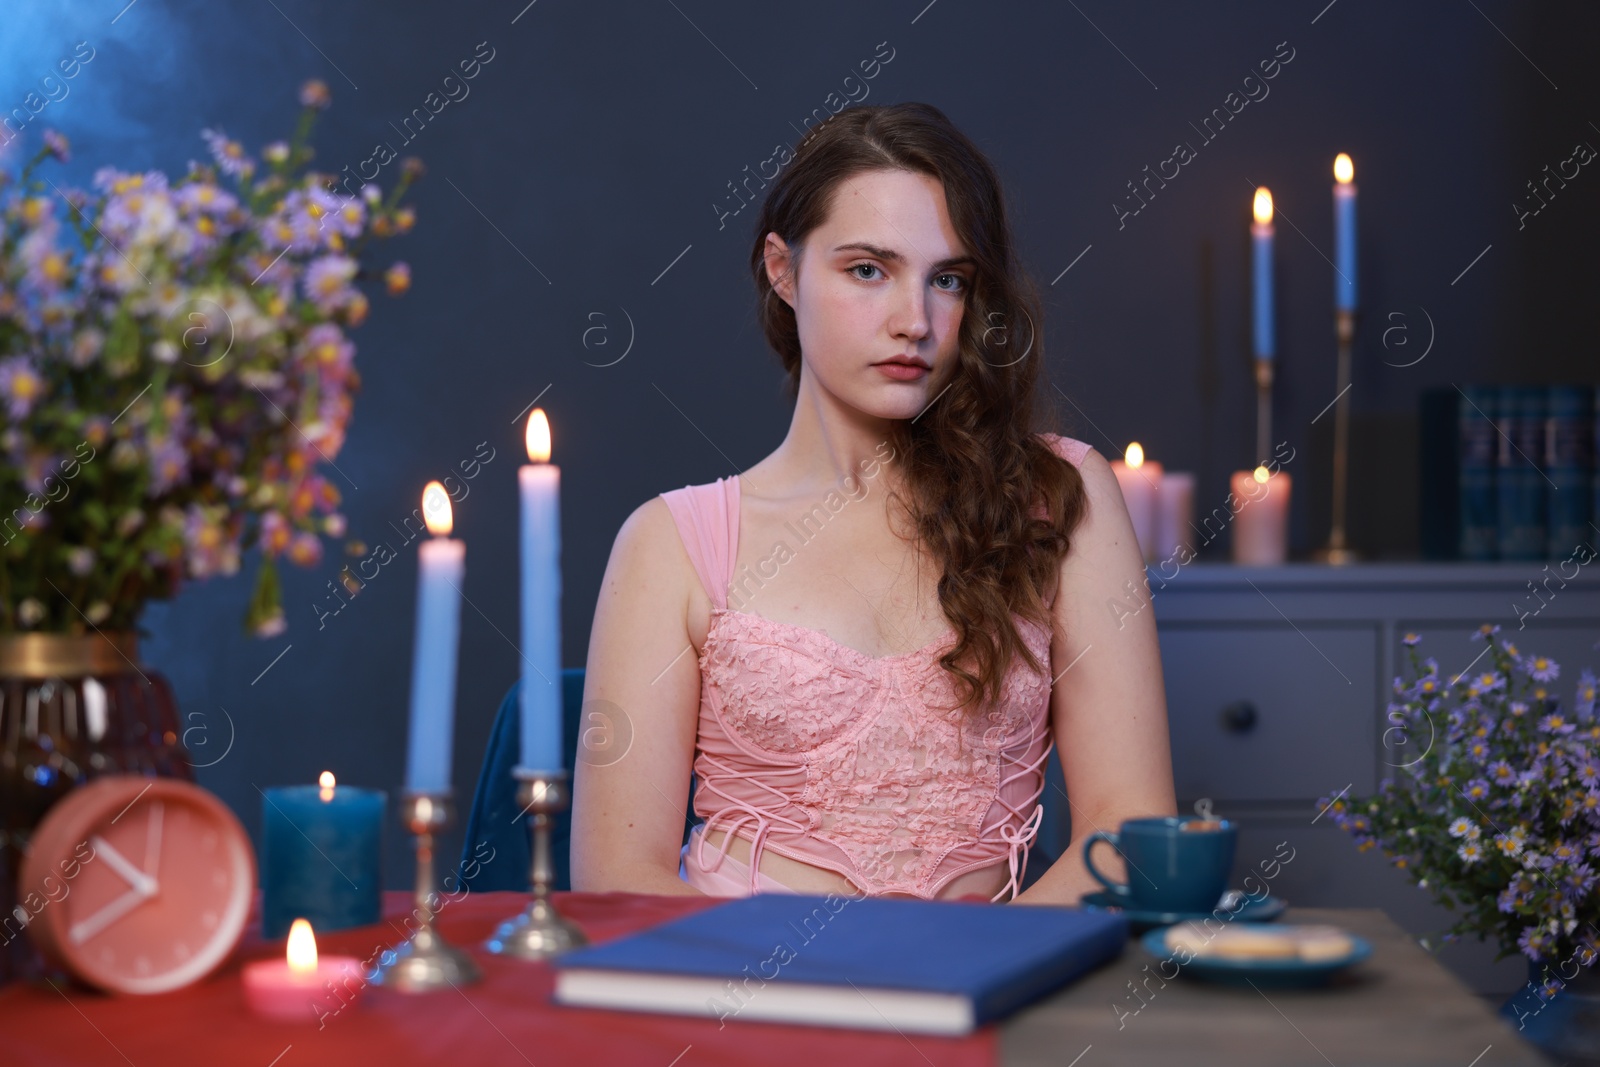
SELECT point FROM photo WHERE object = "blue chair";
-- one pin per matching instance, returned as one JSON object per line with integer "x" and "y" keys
{"x": 497, "y": 820}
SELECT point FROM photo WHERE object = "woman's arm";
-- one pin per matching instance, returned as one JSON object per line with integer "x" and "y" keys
{"x": 1108, "y": 705}
{"x": 642, "y": 683}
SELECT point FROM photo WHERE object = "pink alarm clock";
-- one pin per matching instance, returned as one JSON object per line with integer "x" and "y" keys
{"x": 138, "y": 885}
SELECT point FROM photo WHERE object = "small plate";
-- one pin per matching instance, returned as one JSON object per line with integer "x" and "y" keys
{"x": 1269, "y": 974}
{"x": 1251, "y": 910}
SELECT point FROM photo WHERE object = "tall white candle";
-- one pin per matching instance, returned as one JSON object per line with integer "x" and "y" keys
{"x": 441, "y": 563}
{"x": 1140, "y": 479}
{"x": 1261, "y": 528}
{"x": 539, "y": 483}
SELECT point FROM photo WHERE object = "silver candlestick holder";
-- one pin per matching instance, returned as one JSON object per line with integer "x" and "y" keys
{"x": 425, "y": 962}
{"x": 539, "y": 932}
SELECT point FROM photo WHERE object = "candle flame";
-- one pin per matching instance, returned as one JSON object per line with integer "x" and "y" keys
{"x": 538, "y": 437}
{"x": 1261, "y": 474}
{"x": 302, "y": 948}
{"x": 1344, "y": 171}
{"x": 1134, "y": 457}
{"x": 1263, "y": 205}
{"x": 326, "y": 782}
{"x": 436, "y": 510}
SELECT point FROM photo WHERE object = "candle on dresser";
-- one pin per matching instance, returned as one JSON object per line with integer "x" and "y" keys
{"x": 321, "y": 856}
{"x": 1174, "y": 510}
{"x": 539, "y": 483}
{"x": 1140, "y": 479}
{"x": 441, "y": 563}
{"x": 1261, "y": 528}
{"x": 1344, "y": 233}
{"x": 1261, "y": 262}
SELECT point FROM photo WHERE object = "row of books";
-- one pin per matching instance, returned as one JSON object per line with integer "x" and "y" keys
{"x": 1509, "y": 472}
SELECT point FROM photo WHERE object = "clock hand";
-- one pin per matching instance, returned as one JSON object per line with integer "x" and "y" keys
{"x": 82, "y": 931}
{"x": 152, "y": 845}
{"x": 140, "y": 881}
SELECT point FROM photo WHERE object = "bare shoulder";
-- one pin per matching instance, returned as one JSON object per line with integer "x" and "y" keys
{"x": 649, "y": 555}
{"x": 1103, "y": 544}
{"x": 1098, "y": 479}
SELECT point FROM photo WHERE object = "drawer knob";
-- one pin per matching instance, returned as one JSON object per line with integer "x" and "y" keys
{"x": 1239, "y": 717}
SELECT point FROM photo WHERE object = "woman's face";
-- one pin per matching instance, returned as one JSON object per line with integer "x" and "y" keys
{"x": 885, "y": 277}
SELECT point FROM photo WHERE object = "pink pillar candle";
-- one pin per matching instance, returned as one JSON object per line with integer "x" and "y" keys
{"x": 302, "y": 988}
{"x": 1261, "y": 527}
{"x": 1140, "y": 481}
{"x": 1174, "y": 537}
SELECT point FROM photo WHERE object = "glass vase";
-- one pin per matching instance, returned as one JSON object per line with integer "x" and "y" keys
{"x": 1568, "y": 1024}
{"x": 71, "y": 708}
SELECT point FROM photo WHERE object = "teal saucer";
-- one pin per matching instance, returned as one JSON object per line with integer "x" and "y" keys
{"x": 1268, "y": 974}
{"x": 1139, "y": 919}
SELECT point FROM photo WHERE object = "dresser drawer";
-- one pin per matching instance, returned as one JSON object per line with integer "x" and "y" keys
{"x": 1270, "y": 713}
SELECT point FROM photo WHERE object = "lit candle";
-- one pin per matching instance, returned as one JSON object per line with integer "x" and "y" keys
{"x": 1344, "y": 233}
{"x": 441, "y": 562}
{"x": 1174, "y": 509}
{"x": 539, "y": 483}
{"x": 1139, "y": 479}
{"x": 321, "y": 856}
{"x": 1261, "y": 242}
{"x": 1261, "y": 527}
{"x": 301, "y": 988}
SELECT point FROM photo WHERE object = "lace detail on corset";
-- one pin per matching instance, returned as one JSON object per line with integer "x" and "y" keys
{"x": 859, "y": 753}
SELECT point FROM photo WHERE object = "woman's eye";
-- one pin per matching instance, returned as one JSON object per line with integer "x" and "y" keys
{"x": 960, "y": 283}
{"x": 864, "y": 266}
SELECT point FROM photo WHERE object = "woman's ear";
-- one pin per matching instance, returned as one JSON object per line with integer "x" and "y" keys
{"x": 780, "y": 265}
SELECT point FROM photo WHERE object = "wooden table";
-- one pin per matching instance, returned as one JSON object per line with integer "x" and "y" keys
{"x": 1400, "y": 1006}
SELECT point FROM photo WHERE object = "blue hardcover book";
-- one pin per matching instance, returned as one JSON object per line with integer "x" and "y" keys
{"x": 1520, "y": 480}
{"x": 936, "y": 967}
{"x": 1569, "y": 431}
{"x": 1479, "y": 508}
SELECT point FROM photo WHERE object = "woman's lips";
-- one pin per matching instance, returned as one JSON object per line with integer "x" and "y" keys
{"x": 902, "y": 372}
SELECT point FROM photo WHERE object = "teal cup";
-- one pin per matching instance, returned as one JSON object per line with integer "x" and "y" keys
{"x": 1175, "y": 863}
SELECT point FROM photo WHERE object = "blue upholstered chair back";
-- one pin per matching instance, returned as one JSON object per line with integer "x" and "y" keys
{"x": 497, "y": 821}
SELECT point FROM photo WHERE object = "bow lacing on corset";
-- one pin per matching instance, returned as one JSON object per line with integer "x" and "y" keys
{"x": 1020, "y": 838}
{"x": 737, "y": 814}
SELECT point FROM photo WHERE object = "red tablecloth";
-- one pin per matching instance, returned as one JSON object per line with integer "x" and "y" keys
{"x": 508, "y": 1018}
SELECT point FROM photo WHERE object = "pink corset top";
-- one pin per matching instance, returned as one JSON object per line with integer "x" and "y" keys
{"x": 847, "y": 761}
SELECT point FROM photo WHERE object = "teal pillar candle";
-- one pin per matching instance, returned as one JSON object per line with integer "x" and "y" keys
{"x": 321, "y": 857}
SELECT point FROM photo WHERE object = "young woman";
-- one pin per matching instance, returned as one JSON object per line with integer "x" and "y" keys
{"x": 865, "y": 647}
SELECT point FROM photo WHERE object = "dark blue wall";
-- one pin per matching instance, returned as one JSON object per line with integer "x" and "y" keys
{"x": 591, "y": 155}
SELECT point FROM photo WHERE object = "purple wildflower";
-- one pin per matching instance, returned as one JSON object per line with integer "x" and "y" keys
{"x": 230, "y": 155}
{"x": 1556, "y": 723}
{"x": 1541, "y": 668}
{"x": 57, "y": 145}
{"x": 20, "y": 385}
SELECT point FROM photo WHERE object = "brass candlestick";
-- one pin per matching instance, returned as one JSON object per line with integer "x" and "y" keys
{"x": 539, "y": 932}
{"x": 1263, "y": 407}
{"x": 1337, "y": 551}
{"x": 425, "y": 962}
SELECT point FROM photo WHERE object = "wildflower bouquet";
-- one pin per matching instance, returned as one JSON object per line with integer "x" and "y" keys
{"x": 175, "y": 374}
{"x": 1497, "y": 810}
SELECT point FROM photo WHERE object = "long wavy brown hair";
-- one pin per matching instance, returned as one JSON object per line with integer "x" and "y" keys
{"x": 971, "y": 462}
